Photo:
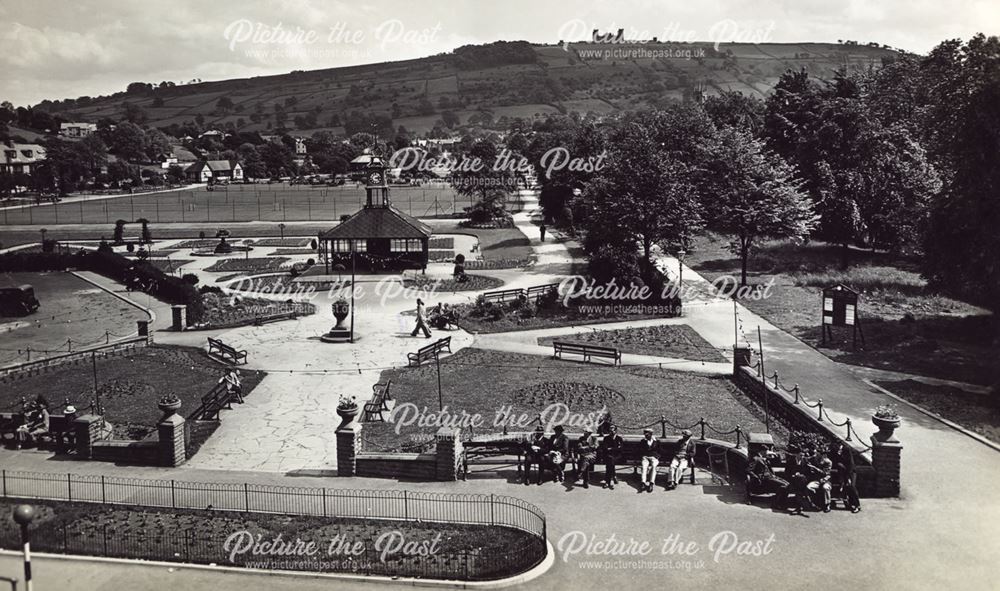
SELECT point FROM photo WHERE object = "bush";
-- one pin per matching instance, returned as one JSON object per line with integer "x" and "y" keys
{"x": 459, "y": 259}
{"x": 310, "y": 262}
{"x": 130, "y": 247}
{"x": 201, "y": 235}
{"x": 190, "y": 278}
{"x": 609, "y": 262}
{"x": 210, "y": 289}
{"x": 48, "y": 245}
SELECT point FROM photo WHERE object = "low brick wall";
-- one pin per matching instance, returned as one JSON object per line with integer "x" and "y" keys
{"x": 798, "y": 417}
{"x": 397, "y": 465}
{"x": 146, "y": 453}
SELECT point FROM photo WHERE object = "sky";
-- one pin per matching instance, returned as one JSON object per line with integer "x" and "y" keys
{"x": 65, "y": 49}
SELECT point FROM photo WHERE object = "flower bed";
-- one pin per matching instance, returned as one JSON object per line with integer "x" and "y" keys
{"x": 225, "y": 312}
{"x": 449, "y": 284}
{"x": 487, "y": 264}
{"x": 245, "y": 265}
{"x": 441, "y": 256}
{"x": 293, "y": 251}
{"x": 289, "y": 242}
{"x": 444, "y": 242}
{"x": 130, "y": 385}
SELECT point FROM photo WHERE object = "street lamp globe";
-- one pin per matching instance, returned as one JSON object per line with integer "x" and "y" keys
{"x": 23, "y": 514}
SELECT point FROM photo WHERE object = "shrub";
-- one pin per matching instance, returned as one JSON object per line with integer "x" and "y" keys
{"x": 48, "y": 245}
{"x": 210, "y": 289}
{"x": 313, "y": 244}
{"x": 130, "y": 247}
{"x": 190, "y": 278}
{"x": 609, "y": 262}
{"x": 460, "y": 259}
{"x": 104, "y": 246}
{"x": 310, "y": 262}
{"x": 201, "y": 234}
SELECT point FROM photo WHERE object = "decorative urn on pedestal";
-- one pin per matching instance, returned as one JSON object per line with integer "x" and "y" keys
{"x": 347, "y": 410}
{"x": 169, "y": 404}
{"x": 887, "y": 420}
{"x": 341, "y": 310}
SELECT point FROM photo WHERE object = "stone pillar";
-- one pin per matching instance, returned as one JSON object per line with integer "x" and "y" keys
{"x": 179, "y": 317}
{"x": 348, "y": 446}
{"x": 87, "y": 430}
{"x": 886, "y": 452}
{"x": 447, "y": 455}
{"x": 143, "y": 328}
{"x": 173, "y": 440}
{"x": 741, "y": 357}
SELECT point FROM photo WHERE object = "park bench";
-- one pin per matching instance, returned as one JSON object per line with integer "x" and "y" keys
{"x": 381, "y": 402}
{"x": 537, "y": 292}
{"x": 631, "y": 455}
{"x": 218, "y": 397}
{"x": 226, "y": 351}
{"x": 60, "y": 433}
{"x": 429, "y": 352}
{"x": 502, "y": 453}
{"x": 261, "y": 320}
{"x": 588, "y": 351}
{"x": 503, "y": 296}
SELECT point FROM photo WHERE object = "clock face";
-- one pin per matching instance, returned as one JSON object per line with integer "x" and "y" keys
{"x": 375, "y": 178}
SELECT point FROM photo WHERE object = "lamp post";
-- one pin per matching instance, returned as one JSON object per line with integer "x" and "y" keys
{"x": 43, "y": 231}
{"x": 281, "y": 228}
{"x": 680, "y": 267}
{"x": 23, "y": 514}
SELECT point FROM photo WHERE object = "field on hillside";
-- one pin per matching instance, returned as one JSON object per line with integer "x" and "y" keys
{"x": 557, "y": 80}
{"x": 242, "y": 203}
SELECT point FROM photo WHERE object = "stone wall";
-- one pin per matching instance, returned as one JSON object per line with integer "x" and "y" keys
{"x": 799, "y": 417}
{"x": 408, "y": 466}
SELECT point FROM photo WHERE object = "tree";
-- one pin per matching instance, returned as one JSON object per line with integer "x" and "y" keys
{"x": 486, "y": 184}
{"x": 119, "y": 233}
{"x": 755, "y": 196}
{"x": 735, "y": 109}
{"x": 128, "y": 142}
{"x": 145, "y": 235}
{"x": 157, "y": 145}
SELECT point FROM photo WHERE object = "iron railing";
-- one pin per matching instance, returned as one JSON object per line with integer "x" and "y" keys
{"x": 193, "y": 545}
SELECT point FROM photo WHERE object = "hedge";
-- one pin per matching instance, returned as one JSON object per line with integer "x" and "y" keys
{"x": 169, "y": 288}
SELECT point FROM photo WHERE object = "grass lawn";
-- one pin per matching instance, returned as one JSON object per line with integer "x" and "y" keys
{"x": 170, "y": 534}
{"x": 130, "y": 385}
{"x": 979, "y": 413}
{"x": 501, "y": 248}
{"x": 543, "y": 318}
{"x": 662, "y": 341}
{"x": 907, "y": 327}
{"x": 483, "y": 382}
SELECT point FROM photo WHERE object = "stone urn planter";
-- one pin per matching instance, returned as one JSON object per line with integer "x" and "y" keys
{"x": 341, "y": 310}
{"x": 169, "y": 405}
{"x": 887, "y": 422}
{"x": 347, "y": 413}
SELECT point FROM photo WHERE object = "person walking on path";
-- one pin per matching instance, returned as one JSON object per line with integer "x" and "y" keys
{"x": 541, "y": 231}
{"x": 421, "y": 324}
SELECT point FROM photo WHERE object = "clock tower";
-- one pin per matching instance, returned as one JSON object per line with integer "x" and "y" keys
{"x": 376, "y": 184}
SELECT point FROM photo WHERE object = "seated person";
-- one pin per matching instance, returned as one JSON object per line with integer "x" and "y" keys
{"x": 762, "y": 475}
{"x": 611, "y": 449}
{"x": 586, "y": 456}
{"x": 558, "y": 451}
{"x": 843, "y": 459}
{"x": 681, "y": 460}
{"x": 797, "y": 473}
{"x": 234, "y": 387}
{"x": 535, "y": 451}
{"x": 821, "y": 471}
{"x": 36, "y": 422}
{"x": 650, "y": 447}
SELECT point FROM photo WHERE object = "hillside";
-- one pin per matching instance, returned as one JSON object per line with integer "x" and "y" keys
{"x": 499, "y": 80}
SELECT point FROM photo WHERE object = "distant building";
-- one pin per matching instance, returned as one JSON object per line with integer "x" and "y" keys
{"x": 21, "y": 158}
{"x": 212, "y": 133}
{"x": 214, "y": 170}
{"x": 77, "y": 129}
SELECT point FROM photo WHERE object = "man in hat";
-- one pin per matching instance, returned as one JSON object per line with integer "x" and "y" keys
{"x": 650, "y": 447}
{"x": 534, "y": 453}
{"x": 611, "y": 449}
{"x": 681, "y": 460}
{"x": 36, "y": 422}
{"x": 586, "y": 456}
{"x": 231, "y": 381}
{"x": 421, "y": 325}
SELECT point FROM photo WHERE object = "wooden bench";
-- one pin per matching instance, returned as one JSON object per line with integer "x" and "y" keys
{"x": 60, "y": 432}
{"x": 588, "y": 351}
{"x": 503, "y": 296}
{"x": 537, "y": 292}
{"x": 632, "y": 452}
{"x": 381, "y": 402}
{"x": 218, "y": 397}
{"x": 262, "y": 320}
{"x": 495, "y": 453}
{"x": 429, "y": 352}
{"x": 226, "y": 351}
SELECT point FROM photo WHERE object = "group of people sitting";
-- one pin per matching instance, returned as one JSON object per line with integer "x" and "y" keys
{"x": 442, "y": 317}
{"x": 37, "y": 421}
{"x": 809, "y": 477}
{"x": 553, "y": 452}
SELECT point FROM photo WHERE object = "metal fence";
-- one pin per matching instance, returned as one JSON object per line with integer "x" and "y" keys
{"x": 205, "y": 548}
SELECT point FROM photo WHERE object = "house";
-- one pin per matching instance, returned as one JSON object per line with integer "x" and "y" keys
{"x": 21, "y": 158}
{"x": 77, "y": 129}
{"x": 212, "y": 133}
{"x": 379, "y": 237}
{"x": 206, "y": 171}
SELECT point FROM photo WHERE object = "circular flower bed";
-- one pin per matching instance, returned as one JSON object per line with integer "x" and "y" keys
{"x": 474, "y": 283}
